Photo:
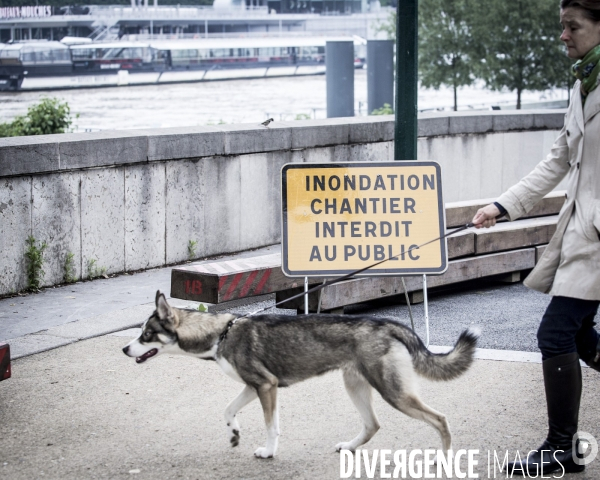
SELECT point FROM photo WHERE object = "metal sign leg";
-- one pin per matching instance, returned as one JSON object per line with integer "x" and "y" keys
{"x": 305, "y": 295}
{"x": 426, "y": 311}
{"x": 412, "y": 322}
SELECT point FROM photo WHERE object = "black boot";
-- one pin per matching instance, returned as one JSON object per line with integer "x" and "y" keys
{"x": 562, "y": 382}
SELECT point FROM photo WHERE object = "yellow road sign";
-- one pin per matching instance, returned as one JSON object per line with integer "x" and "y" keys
{"x": 341, "y": 217}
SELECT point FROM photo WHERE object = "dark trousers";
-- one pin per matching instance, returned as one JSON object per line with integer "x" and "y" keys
{"x": 568, "y": 327}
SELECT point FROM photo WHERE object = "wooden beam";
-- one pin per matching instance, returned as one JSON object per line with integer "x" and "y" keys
{"x": 460, "y": 213}
{"x": 512, "y": 235}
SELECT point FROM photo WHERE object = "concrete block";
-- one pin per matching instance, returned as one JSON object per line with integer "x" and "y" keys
{"x": 189, "y": 142}
{"x": 221, "y": 197}
{"x": 433, "y": 124}
{"x": 85, "y": 150}
{"x": 493, "y": 157}
{"x": 314, "y": 155}
{"x": 15, "y": 227}
{"x": 31, "y": 154}
{"x": 318, "y": 133}
{"x": 368, "y": 152}
{"x": 519, "y": 120}
{"x": 252, "y": 138}
{"x": 465, "y": 123}
{"x": 103, "y": 219}
{"x": 56, "y": 220}
{"x": 260, "y": 198}
{"x": 145, "y": 216}
{"x": 549, "y": 119}
{"x": 185, "y": 204}
{"x": 460, "y": 178}
{"x": 527, "y": 147}
{"x": 342, "y": 153}
{"x": 373, "y": 128}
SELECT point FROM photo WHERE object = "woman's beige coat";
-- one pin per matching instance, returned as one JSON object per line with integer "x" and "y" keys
{"x": 570, "y": 266}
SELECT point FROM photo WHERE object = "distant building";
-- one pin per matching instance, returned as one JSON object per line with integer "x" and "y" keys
{"x": 224, "y": 18}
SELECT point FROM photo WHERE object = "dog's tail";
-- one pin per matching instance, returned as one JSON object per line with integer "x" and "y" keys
{"x": 446, "y": 366}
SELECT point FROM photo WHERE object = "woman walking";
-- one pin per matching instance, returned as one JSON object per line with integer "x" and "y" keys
{"x": 569, "y": 270}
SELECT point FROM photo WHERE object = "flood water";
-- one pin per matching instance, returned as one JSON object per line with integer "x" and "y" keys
{"x": 230, "y": 101}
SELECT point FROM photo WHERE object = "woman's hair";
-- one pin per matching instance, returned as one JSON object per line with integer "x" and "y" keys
{"x": 591, "y": 8}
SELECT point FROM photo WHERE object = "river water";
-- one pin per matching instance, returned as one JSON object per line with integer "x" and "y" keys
{"x": 231, "y": 101}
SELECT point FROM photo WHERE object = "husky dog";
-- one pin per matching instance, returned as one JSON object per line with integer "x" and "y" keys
{"x": 269, "y": 351}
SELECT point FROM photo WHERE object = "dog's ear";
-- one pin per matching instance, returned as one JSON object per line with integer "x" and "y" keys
{"x": 163, "y": 309}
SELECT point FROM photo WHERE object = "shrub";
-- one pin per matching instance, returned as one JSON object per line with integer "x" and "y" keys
{"x": 49, "y": 116}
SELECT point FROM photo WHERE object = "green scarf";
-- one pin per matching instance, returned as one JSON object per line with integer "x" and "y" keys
{"x": 587, "y": 70}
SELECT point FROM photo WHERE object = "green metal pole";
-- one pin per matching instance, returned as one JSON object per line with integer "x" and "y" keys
{"x": 405, "y": 131}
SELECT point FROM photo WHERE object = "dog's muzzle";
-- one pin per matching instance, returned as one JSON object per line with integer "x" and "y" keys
{"x": 141, "y": 358}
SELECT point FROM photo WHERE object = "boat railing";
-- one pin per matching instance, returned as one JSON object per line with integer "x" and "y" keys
{"x": 176, "y": 12}
{"x": 144, "y": 37}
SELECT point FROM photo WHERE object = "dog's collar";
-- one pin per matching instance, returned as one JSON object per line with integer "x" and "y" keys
{"x": 230, "y": 324}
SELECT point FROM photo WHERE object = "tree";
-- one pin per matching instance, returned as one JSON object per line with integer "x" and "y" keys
{"x": 517, "y": 44}
{"x": 49, "y": 116}
{"x": 445, "y": 44}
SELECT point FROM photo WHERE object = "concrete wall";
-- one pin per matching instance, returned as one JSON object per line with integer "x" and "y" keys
{"x": 133, "y": 200}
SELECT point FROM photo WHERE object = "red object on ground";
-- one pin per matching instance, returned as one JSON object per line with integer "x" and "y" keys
{"x": 4, "y": 361}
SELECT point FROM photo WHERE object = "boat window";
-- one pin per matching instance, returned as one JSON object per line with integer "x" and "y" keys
{"x": 45, "y": 56}
{"x": 9, "y": 53}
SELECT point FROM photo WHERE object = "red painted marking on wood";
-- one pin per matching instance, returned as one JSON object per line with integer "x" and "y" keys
{"x": 193, "y": 287}
{"x": 4, "y": 361}
{"x": 262, "y": 281}
{"x": 234, "y": 284}
{"x": 248, "y": 284}
{"x": 222, "y": 281}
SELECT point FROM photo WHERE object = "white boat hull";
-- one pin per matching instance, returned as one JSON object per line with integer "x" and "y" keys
{"x": 125, "y": 77}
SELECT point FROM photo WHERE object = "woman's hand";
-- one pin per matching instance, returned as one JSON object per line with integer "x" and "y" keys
{"x": 486, "y": 216}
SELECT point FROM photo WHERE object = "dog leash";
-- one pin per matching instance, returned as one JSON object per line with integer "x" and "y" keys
{"x": 346, "y": 277}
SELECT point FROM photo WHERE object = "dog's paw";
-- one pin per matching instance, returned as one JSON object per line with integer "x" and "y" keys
{"x": 263, "y": 452}
{"x": 234, "y": 439}
{"x": 345, "y": 446}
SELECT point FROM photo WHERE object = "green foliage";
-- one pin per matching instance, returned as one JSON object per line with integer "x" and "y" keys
{"x": 388, "y": 26}
{"x": 69, "y": 269}
{"x": 35, "y": 261}
{"x": 519, "y": 46}
{"x": 202, "y": 308}
{"x": 220, "y": 122}
{"x": 445, "y": 44}
{"x": 385, "y": 110}
{"x": 302, "y": 116}
{"x": 510, "y": 45}
{"x": 192, "y": 245}
{"x": 49, "y": 116}
{"x": 93, "y": 271}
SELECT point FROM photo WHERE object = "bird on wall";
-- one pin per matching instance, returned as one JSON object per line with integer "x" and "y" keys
{"x": 266, "y": 122}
